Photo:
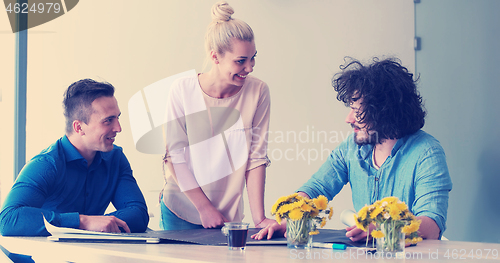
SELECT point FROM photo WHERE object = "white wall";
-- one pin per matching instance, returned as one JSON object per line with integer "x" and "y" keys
{"x": 131, "y": 44}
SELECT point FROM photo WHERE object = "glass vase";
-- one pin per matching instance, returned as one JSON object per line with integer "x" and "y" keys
{"x": 392, "y": 245}
{"x": 297, "y": 233}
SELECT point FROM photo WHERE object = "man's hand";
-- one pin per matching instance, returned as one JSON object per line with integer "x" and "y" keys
{"x": 211, "y": 217}
{"x": 270, "y": 230}
{"x": 356, "y": 234}
{"x": 108, "y": 224}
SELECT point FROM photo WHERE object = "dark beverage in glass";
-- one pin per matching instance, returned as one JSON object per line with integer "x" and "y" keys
{"x": 237, "y": 238}
{"x": 236, "y": 233}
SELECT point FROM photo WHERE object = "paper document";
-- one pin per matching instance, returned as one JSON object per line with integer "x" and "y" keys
{"x": 79, "y": 235}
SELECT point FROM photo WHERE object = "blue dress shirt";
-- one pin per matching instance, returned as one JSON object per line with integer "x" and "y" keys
{"x": 416, "y": 172}
{"x": 58, "y": 184}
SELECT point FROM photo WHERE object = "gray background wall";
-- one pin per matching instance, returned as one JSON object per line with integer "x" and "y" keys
{"x": 459, "y": 66}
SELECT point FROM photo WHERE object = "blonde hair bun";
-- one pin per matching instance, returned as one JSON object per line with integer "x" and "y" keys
{"x": 223, "y": 28}
{"x": 222, "y": 12}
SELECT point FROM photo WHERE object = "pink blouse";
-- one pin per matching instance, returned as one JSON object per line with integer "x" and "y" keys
{"x": 211, "y": 143}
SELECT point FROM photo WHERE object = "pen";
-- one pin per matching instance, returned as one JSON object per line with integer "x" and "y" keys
{"x": 329, "y": 245}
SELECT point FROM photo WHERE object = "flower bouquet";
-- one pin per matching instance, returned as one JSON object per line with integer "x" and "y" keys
{"x": 303, "y": 216}
{"x": 393, "y": 221}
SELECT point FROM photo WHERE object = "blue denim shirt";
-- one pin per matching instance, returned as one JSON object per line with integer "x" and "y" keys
{"x": 416, "y": 172}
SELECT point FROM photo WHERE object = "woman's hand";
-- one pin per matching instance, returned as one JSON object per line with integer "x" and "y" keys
{"x": 265, "y": 222}
{"x": 271, "y": 229}
{"x": 211, "y": 217}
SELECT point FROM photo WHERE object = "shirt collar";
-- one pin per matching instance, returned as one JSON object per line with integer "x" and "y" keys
{"x": 69, "y": 150}
{"x": 72, "y": 153}
{"x": 365, "y": 150}
{"x": 398, "y": 145}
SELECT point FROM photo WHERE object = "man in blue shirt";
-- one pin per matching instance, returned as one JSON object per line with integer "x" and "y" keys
{"x": 73, "y": 181}
{"x": 388, "y": 154}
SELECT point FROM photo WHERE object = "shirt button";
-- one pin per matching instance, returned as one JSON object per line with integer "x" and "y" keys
{"x": 376, "y": 178}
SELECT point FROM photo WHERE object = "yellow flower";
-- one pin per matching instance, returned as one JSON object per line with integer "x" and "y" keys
{"x": 274, "y": 209}
{"x": 285, "y": 208}
{"x": 297, "y": 204}
{"x": 390, "y": 199}
{"x": 278, "y": 219}
{"x": 314, "y": 213}
{"x": 295, "y": 214}
{"x": 294, "y": 197}
{"x": 313, "y": 232}
{"x": 295, "y": 207}
{"x": 376, "y": 212}
{"x": 413, "y": 227}
{"x": 330, "y": 214}
{"x": 323, "y": 222}
{"x": 407, "y": 230}
{"x": 415, "y": 240}
{"x": 389, "y": 210}
{"x": 321, "y": 202}
{"x": 359, "y": 223}
{"x": 377, "y": 234}
{"x": 281, "y": 200}
{"x": 394, "y": 212}
{"x": 306, "y": 207}
{"x": 402, "y": 206}
{"x": 362, "y": 212}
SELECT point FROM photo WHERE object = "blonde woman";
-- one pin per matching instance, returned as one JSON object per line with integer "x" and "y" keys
{"x": 217, "y": 134}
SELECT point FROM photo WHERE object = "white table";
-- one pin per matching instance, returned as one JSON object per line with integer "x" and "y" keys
{"x": 43, "y": 250}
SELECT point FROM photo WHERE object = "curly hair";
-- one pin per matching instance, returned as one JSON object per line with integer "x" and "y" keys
{"x": 390, "y": 103}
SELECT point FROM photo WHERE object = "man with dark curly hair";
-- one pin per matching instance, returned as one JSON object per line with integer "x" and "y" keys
{"x": 388, "y": 154}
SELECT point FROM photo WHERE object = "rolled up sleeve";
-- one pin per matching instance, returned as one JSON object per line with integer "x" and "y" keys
{"x": 432, "y": 187}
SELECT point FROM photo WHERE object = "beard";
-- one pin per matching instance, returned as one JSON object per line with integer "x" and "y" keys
{"x": 364, "y": 137}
